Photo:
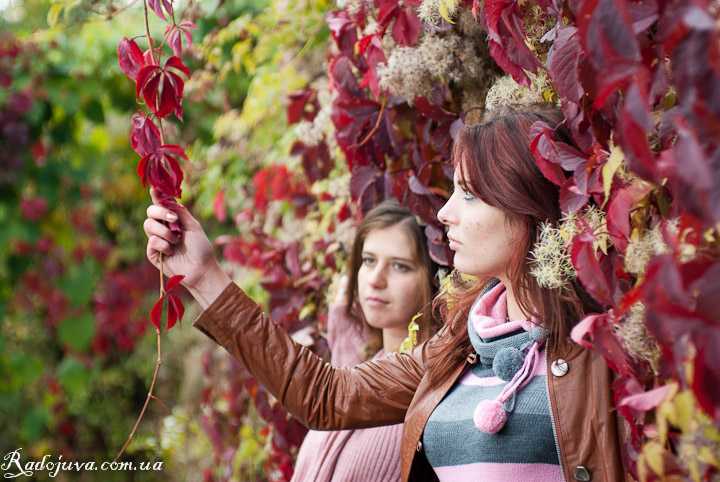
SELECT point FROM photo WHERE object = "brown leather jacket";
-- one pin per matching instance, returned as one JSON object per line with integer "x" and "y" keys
{"x": 396, "y": 388}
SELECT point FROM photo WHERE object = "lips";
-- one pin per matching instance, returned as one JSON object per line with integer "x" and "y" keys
{"x": 375, "y": 302}
{"x": 454, "y": 243}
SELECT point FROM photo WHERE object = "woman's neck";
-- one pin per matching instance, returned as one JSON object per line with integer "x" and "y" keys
{"x": 514, "y": 310}
{"x": 393, "y": 338}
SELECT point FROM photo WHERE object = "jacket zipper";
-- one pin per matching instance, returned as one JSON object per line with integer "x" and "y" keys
{"x": 552, "y": 421}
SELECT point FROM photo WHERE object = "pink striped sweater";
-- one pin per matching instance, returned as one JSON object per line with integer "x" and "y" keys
{"x": 349, "y": 455}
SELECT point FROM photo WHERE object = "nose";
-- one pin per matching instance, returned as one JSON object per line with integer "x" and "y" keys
{"x": 377, "y": 278}
{"x": 447, "y": 213}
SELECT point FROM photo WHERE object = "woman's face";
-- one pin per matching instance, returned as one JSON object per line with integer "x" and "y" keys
{"x": 391, "y": 283}
{"x": 481, "y": 235}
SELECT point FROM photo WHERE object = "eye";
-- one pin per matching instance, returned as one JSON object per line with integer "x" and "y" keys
{"x": 401, "y": 267}
{"x": 368, "y": 261}
{"x": 468, "y": 195}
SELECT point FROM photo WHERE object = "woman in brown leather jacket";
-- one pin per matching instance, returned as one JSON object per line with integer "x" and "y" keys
{"x": 500, "y": 393}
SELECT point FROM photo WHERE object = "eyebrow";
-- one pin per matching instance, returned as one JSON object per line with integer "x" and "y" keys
{"x": 394, "y": 258}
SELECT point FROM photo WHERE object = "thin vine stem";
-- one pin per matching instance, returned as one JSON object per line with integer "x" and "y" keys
{"x": 155, "y": 375}
{"x": 162, "y": 289}
{"x": 147, "y": 34}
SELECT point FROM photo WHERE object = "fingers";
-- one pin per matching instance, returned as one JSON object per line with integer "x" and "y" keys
{"x": 160, "y": 213}
{"x": 157, "y": 244}
{"x": 154, "y": 195}
{"x": 155, "y": 228}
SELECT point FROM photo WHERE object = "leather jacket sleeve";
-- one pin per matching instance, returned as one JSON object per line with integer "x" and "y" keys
{"x": 323, "y": 397}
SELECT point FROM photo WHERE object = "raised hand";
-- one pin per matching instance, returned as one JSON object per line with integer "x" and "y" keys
{"x": 189, "y": 253}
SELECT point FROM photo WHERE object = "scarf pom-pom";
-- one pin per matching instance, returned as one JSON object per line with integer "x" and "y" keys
{"x": 507, "y": 362}
{"x": 490, "y": 416}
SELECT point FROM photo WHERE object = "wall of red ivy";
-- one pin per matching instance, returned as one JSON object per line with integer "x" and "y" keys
{"x": 639, "y": 76}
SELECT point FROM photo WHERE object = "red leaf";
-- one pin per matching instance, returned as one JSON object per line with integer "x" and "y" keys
{"x": 151, "y": 89}
{"x": 176, "y": 310}
{"x": 706, "y": 379}
{"x": 175, "y": 33}
{"x": 387, "y": 12}
{"x": 176, "y": 63}
{"x": 142, "y": 169}
{"x": 648, "y": 400}
{"x": 130, "y": 57}
{"x": 543, "y": 149}
{"x": 590, "y": 272}
{"x": 162, "y": 170}
{"x": 153, "y": 80}
{"x": 156, "y": 312}
{"x": 218, "y": 206}
{"x": 296, "y": 107}
{"x": 433, "y": 111}
{"x": 145, "y": 137}
{"x": 156, "y": 7}
{"x": 572, "y": 198}
{"x": 344, "y": 79}
{"x": 563, "y": 64}
{"x": 406, "y": 28}
{"x": 145, "y": 74}
{"x": 173, "y": 282}
{"x": 595, "y": 332}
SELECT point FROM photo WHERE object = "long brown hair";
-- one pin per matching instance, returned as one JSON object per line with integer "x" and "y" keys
{"x": 385, "y": 215}
{"x": 497, "y": 166}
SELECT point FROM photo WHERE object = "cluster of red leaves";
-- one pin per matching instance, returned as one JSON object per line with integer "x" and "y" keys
{"x": 639, "y": 75}
{"x": 117, "y": 301}
{"x": 161, "y": 89}
{"x": 392, "y": 149}
{"x": 291, "y": 281}
{"x": 618, "y": 65}
{"x": 284, "y": 432}
{"x": 276, "y": 183}
{"x": 15, "y": 131}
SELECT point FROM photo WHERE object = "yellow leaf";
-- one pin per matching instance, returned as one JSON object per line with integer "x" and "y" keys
{"x": 682, "y": 413}
{"x": 611, "y": 167}
{"x": 711, "y": 433}
{"x": 412, "y": 338}
{"x": 444, "y": 12}
{"x": 650, "y": 457}
{"x": 54, "y": 14}
{"x": 708, "y": 456}
{"x": 306, "y": 311}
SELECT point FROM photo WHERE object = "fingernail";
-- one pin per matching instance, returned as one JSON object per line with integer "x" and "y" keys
{"x": 172, "y": 216}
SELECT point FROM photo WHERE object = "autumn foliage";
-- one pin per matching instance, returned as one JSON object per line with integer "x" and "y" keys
{"x": 638, "y": 84}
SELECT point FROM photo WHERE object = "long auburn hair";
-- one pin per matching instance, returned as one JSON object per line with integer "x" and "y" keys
{"x": 496, "y": 165}
{"x": 385, "y": 215}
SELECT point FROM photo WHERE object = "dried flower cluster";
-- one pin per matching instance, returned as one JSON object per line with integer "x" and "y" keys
{"x": 321, "y": 128}
{"x": 430, "y": 10}
{"x": 699, "y": 444}
{"x": 644, "y": 245}
{"x": 552, "y": 266}
{"x": 415, "y": 71}
{"x": 352, "y": 6}
{"x": 506, "y": 91}
{"x": 633, "y": 334}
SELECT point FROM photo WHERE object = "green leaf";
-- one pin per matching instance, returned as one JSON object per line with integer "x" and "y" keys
{"x": 33, "y": 424}
{"x": 94, "y": 112}
{"x": 73, "y": 375}
{"x": 24, "y": 369}
{"x": 54, "y": 14}
{"x": 77, "y": 333}
{"x": 78, "y": 285}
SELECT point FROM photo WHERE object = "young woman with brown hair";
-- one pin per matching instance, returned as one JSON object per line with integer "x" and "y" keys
{"x": 390, "y": 280}
{"x": 499, "y": 394}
